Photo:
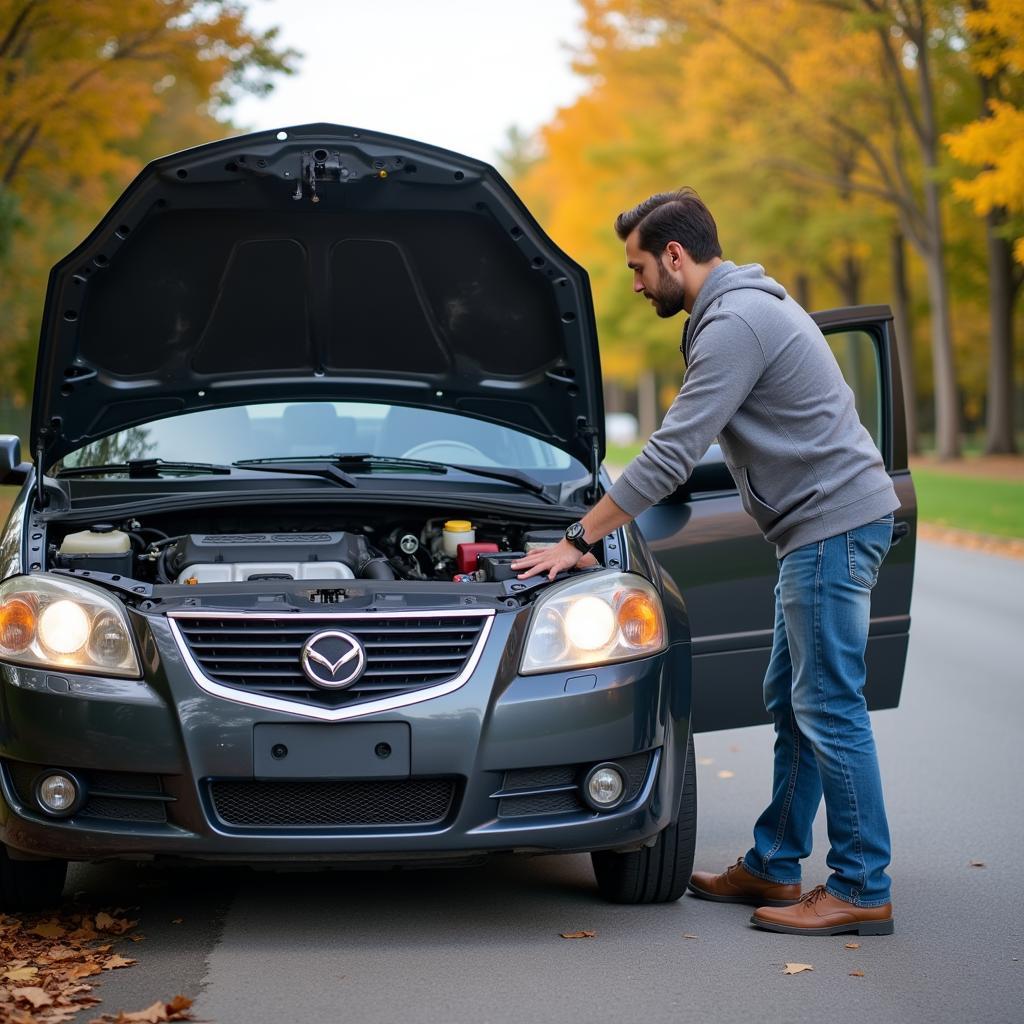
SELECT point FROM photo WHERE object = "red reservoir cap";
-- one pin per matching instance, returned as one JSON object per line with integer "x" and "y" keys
{"x": 466, "y": 555}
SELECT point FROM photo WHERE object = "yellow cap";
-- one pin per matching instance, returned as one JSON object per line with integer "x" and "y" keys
{"x": 458, "y": 525}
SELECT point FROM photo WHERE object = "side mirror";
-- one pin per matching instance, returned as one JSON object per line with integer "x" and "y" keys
{"x": 12, "y": 469}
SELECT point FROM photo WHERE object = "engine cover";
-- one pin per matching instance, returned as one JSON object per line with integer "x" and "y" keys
{"x": 235, "y": 557}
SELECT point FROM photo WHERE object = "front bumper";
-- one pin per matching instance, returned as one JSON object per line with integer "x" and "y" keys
{"x": 477, "y": 738}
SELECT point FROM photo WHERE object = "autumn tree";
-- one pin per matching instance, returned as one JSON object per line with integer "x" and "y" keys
{"x": 730, "y": 98}
{"x": 88, "y": 93}
{"x": 994, "y": 143}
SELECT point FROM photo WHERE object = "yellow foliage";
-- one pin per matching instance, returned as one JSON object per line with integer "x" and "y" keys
{"x": 995, "y": 143}
{"x": 92, "y": 90}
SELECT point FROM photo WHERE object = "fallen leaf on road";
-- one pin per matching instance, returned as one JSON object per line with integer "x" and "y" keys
{"x": 852, "y": 945}
{"x": 48, "y": 930}
{"x": 34, "y": 995}
{"x": 579, "y": 935}
{"x": 726, "y": 774}
{"x": 797, "y": 968}
{"x": 136, "y": 937}
{"x": 705, "y": 760}
{"x": 113, "y": 925}
{"x": 176, "y": 1009}
{"x": 78, "y": 971}
{"x": 977, "y": 864}
{"x": 151, "y": 1015}
{"x": 21, "y": 974}
{"x": 856, "y": 974}
{"x": 115, "y": 961}
{"x": 687, "y": 935}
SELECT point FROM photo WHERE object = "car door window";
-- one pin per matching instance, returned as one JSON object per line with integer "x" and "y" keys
{"x": 857, "y": 355}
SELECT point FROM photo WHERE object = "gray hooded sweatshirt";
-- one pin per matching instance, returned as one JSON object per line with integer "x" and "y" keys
{"x": 762, "y": 379}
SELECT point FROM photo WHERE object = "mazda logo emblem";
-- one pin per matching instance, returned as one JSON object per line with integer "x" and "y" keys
{"x": 332, "y": 659}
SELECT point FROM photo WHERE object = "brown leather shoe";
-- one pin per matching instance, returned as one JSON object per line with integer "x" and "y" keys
{"x": 737, "y": 885}
{"x": 821, "y": 913}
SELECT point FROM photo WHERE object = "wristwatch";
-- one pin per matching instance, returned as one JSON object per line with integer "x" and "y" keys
{"x": 574, "y": 535}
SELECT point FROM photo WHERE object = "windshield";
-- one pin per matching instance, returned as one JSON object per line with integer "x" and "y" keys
{"x": 305, "y": 429}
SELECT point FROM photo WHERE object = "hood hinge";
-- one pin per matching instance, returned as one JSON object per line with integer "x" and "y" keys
{"x": 40, "y": 500}
{"x": 590, "y": 433}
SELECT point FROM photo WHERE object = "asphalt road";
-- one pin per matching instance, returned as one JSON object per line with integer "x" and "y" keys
{"x": 482, "y": 945}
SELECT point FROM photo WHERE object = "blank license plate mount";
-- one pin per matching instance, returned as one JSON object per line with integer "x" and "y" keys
{"x": 363, "y": 750}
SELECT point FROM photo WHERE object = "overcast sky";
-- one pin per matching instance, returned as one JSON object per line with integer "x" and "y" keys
{"x": 455, "y": 73}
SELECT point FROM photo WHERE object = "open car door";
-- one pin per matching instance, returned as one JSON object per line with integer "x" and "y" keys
{"x": 727, "y": 571}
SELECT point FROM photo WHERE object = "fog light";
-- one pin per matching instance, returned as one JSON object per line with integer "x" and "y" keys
{"x": 58, "y": 794}
{"x": 604, "y": 786}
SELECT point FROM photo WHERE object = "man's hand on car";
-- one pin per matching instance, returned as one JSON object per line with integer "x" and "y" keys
{"x": 560, "y": 557}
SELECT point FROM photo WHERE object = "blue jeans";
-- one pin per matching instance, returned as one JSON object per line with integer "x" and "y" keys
{"x": 823, "y": 739}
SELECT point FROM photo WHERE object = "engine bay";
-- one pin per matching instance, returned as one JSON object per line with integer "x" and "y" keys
{"x": 235, "y": 547}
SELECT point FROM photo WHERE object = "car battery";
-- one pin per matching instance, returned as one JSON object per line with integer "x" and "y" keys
{"x": 498, "y": 567}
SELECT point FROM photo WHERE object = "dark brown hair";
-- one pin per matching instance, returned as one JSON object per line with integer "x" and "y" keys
{"x": 678, "y": 216}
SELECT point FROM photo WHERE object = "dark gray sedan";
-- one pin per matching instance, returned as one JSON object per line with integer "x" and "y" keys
{"x": 302, "y": 397}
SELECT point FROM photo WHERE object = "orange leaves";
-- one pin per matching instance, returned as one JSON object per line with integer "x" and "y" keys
{"x": 176, "y": 1009}
{"x": 113, "y": 925}
{"x": 579, "y": 935}
{"x": 115, "y": 961}
{"x": 46, "y": 961}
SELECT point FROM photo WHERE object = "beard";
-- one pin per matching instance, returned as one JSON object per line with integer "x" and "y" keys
{"x": 669, "y": 298}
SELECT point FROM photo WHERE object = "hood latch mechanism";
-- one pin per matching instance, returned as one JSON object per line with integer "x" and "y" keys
{"x": 320, "y": 165}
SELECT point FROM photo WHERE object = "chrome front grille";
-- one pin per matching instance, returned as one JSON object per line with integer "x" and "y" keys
{"x": 409, "y": 656}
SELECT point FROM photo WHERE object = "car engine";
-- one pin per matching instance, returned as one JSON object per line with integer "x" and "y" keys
{"x": 455, "y": 550}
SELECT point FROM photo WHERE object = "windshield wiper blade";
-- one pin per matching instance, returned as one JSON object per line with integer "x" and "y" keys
{"x": 145, "y": 469}
{"x": 512, "y": 476}
{"x": 325, "y": 468}
{"x": 364, "y": 461}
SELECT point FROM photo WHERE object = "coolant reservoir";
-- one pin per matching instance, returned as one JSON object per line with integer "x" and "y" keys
{"x": 456, "y": 532}
{"x": 99, "y": 549}
{"x": 99, "y": 540}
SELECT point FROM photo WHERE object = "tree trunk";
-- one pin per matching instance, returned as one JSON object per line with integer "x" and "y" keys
{"x": 803, "y": 290}
{"x": 999, "y": 435}
{"x": 947, "y": 401}
{"x": 904, "y": 337}
{"x": 851, "y": 275}
{"x": 647, "y": 403}
{"x": 613, "y": 398}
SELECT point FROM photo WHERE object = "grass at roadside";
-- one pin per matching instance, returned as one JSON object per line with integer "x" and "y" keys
{"x": 975, "y": 503}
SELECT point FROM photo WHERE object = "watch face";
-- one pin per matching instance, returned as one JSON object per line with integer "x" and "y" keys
{"x": 574, "y": 531}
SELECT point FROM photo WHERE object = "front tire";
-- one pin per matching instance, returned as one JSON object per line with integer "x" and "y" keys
{"x": 30, "y": 884}
{"x": 658, "y": 873}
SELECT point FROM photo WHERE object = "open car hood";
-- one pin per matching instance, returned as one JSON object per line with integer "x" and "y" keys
{"x": 318, "y": 262}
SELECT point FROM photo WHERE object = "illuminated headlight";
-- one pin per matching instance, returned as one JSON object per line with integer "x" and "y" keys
{"x": 593, "y": 621}
{"x": 53, "y": 623}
